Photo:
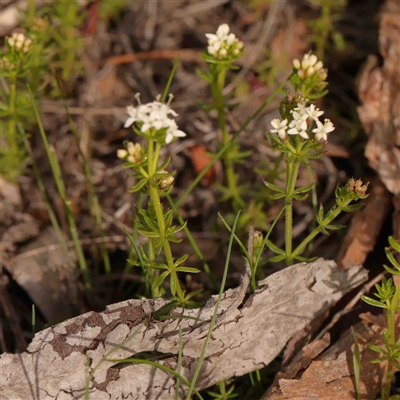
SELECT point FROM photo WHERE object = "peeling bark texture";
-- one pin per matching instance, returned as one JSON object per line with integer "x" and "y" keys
{"x": 329, "y": 374}
{"x": 379, "y": 92}
{"x": 63, "y": 359}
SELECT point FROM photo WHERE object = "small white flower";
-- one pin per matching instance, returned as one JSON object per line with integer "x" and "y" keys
{"x": 155, "y": 115}
{"x": 223, "y": 44}
{"x": 279, "y": 127}
{"x": 298, "y": 127}
{"x": 313, "y": 112}
{"x": 173, "y": 132}
{"x": 301, "y": 107}
{"x": 322, "y": 130}
{"x": 223, "y": 30}
{"x": 299, "y": 124}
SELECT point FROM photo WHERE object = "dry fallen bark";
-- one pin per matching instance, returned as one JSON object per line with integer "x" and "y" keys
{"x": 330, "y": 375}
{"x": 59, "y": 359}
{"x": 379, "y": 92}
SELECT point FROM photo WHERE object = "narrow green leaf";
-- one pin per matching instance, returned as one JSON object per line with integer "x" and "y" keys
{"x": 373, "y": 302}
{"x": 151, "y": 234}
{"x": 277, "y": 258}
{"x": 164, "y": 310}
{"x": 182, "y": 259}
{"x": 273, "y": 187}
{"x": 356, "y": 364}
{"x": 277, "y": 196}
{"x": 159, "y": 280}
{"x": 391, "y": 258}
{"x": 304, "y": 189}
{"x": 190, "y": 270}
{"x": 274, "y": 248}
{"x": 138, "y": 186}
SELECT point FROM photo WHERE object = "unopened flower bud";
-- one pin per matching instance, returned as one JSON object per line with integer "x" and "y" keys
{"x": 358, "y": 187}
{"x": 132, "y": 154}
{"x": 39, "y": 25}
{"x": 223, "y": 44}
{"x": 167, "y": 181}
{"x": 19, "y": 42}
{"x": 309, "y": 66}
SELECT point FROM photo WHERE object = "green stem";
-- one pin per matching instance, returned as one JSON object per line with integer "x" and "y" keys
{"x": 391, "y": 339}
{"x": 253, "y": 283}
{"x": 391, "y": 330}
{"x": 334, "y": 213}
{"x": 70, "y": 60}
{"x": 292, "y": 169}
{"x": 323, "y": 33}
{"x": 222, "y": 389}
{"x": 216, "y": 90}
{"x": 192, "y": 241}
{"x": 158, "y": 209}
{"x": 314, "y": 202}
{"x": 12, "y": 127}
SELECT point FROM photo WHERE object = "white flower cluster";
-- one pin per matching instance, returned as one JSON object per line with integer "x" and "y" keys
{"x": 155, "y": 115}
{"x": 309, "y": 66}
{"x": 19, "y": 42}
{"x": 223, "y": 44}
{"x": 302, "y": 118}
{"x": 132, "y": 153}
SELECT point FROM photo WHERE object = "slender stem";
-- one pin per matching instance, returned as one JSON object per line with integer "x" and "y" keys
{"x": 257, "y": 262}
{"x": 192, "y": 241}
{"x": 391, "y": 330}
{"x": 216, "y": 90}
{"x": 12, "y": 127}
{"x": 222, "y": 389}
{"x": 292, "y": 169}
{"x": 328, "y": 219}
{"x": 391, "y": 344}
{"x": 151, "y": 243}
{"x": 314, "y": 202}
{"x": 153, "y": 155}
{"x": 70, "y": 47}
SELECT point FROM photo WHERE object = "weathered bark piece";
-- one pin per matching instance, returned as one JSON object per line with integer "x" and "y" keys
{"x": 379, "y": 92}
{"x": 59, "y": 359}
{"x": 330, "y": 376}
{"x": 44, "y": 271}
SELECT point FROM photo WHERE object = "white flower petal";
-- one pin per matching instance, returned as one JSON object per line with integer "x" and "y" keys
{"x": 223, "y": 29}
{"x": 129, "y": 122}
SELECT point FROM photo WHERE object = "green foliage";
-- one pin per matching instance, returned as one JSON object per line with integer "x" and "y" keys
{"x": 324, "y": 33}
{"x": 50, "y": 44}
{"x": 388, "y": 295}
{"x": 67, "y": 17}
